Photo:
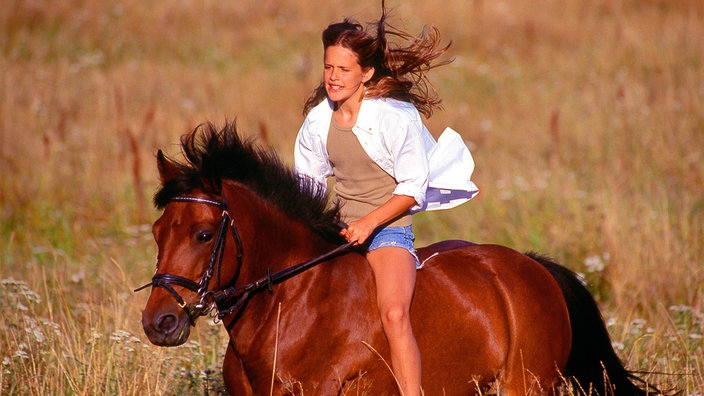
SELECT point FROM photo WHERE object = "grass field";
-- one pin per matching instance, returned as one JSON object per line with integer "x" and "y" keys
{"x": 585, "y": 118}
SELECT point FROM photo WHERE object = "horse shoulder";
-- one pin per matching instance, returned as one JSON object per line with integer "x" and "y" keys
{"x": 327, "y": 313}
{"x": 234, "y": 375}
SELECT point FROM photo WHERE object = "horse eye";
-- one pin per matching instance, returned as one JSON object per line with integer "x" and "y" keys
{"x": 204, "y": 236}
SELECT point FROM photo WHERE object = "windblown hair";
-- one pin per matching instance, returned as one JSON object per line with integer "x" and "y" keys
{"x": 400, "y": 69}
{"x": 213, "y": 156}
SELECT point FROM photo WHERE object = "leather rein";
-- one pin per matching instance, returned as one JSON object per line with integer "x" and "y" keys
{"x": 230, "y": 299}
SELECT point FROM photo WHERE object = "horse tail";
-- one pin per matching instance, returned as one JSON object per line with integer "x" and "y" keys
{"x": 592, "y": 361}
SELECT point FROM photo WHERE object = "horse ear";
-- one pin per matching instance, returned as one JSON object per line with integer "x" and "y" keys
{"x": 167, "y": 170}
{"x": 225, "y": 191}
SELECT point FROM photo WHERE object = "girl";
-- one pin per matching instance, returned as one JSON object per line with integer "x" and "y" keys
{"x": 363, "y": 127}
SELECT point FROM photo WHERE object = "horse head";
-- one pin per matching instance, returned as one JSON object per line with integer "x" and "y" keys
{"x": 193, "y": 263}
{"x": 212, "y": 204}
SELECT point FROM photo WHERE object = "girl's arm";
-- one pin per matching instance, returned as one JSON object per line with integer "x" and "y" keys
{"x": 361, "y": 229}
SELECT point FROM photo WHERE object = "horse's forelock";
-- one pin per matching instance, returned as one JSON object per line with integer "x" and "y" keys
{"x": 204, "y": 151}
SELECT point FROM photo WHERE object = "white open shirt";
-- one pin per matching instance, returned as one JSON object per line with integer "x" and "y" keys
{"x": 436, "y": 174}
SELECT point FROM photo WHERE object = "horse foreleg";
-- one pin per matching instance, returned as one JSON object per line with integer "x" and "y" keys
{"x": 233, "y": 373}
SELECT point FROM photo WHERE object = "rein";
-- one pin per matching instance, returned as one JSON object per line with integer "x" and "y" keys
{"x": 242, "y": 293}
{"x": 228, "y": 300}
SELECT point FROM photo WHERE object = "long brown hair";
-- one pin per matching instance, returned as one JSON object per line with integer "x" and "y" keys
{"x": 400, "y": 69}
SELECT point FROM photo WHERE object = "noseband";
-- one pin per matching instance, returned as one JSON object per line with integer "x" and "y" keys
{"x": 230, "y": 299}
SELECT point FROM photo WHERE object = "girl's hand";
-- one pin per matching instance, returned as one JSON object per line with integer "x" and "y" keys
{"x": 358, "y": 231}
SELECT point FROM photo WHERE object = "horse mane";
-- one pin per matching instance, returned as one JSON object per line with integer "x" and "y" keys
{"x": 212, "y": 156}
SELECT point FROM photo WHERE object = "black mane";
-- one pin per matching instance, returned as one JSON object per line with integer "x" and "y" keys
{"x": 213, "y": 156}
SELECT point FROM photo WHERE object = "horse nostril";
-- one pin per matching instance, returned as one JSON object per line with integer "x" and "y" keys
{"x": 167, "y": 323}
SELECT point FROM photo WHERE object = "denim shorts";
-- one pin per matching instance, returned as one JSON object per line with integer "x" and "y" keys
{"x": 395, "y": 236}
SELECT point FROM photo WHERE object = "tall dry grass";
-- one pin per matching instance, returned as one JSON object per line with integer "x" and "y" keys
{"x": 586, "y": 121}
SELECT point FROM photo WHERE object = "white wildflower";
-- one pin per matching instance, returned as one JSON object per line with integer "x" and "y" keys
{"x": 20, "y": 292}
{"x": 680, "y": 308}
{"x": 94, "y": 337}
{"x": 639, "y": 323}
{"x": 619, "y": 346}
{"x": 125, "y": 338}
{"x": 38, "y": 334}
{"x": 594, "y": 263}
{"x": 120, "y": 335}
{"x": 53, "y": 326}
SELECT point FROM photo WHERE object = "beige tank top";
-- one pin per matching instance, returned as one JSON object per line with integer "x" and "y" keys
{"x": 360, "y": 184}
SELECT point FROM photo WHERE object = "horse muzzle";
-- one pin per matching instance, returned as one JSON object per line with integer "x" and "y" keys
{"x": 167, "y": 325}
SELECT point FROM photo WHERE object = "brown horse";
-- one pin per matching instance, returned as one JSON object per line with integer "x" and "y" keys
{"x": 243, "y": 236}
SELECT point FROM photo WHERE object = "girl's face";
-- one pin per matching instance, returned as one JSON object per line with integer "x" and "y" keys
{"x": 343, "y": 76}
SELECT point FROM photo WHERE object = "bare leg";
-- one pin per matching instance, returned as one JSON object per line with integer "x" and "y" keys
{"x": 395, "y": 275}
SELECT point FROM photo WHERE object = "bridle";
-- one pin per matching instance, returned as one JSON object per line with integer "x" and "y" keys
{"x": 206, "y": 302}
{"x": 230, "y": 299}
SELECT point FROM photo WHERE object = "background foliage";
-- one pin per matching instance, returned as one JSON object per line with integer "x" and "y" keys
{"x": 586, "y": 120}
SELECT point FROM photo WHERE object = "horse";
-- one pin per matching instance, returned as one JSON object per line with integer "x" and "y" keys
{"x": 243, "y": 238}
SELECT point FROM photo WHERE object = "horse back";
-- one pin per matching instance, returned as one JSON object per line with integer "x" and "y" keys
{"x": 430, "y": 251}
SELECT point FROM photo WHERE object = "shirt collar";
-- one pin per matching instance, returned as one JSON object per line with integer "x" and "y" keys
{"x": 367, "y": 119}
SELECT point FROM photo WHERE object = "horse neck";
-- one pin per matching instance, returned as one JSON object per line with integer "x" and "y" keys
{"x": 270, "y": 239}
{"x": 270, "y": 242}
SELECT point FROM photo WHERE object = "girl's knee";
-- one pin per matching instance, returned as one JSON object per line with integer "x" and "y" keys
{"x": 395, "y": 318}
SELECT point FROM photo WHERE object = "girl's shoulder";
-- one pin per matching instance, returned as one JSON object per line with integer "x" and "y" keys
{"x": 321, "y": 109}
{"x": 398, "y": 108}
{"x": 321, "y": 113}
{"x": 394, "y": 104}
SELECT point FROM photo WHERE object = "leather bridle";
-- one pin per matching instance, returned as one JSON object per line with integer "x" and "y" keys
{"x": 206, "y": 302}
{"x": 230, "y": 299}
